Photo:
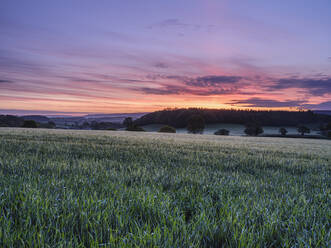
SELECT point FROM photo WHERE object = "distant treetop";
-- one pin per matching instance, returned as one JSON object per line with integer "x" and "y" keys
{"x": 178, "y": 118}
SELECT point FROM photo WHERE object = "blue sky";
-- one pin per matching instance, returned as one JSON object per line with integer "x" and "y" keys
{"x": 135, "y": 56}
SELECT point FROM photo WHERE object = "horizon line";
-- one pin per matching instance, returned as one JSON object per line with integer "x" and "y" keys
{"x": 22, "y": 112}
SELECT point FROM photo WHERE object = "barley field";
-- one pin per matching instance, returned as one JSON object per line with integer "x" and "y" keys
{"x": 61, "y": 188}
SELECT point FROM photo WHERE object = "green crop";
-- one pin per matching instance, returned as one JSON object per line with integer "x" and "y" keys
{"x": 126, "y": 189}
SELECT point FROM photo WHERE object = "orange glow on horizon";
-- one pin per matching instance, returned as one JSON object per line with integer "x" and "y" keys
{"x": 99, "y": 107}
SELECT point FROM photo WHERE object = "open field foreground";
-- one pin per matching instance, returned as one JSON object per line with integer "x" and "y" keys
{"x": 124, "y": 189}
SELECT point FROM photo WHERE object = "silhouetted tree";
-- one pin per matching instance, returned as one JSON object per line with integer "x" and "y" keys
{"x": 30, "y": 124}
{"x": 303, "y": 129}
{"x": 283, "y": 131}
{"x": 103, "y": 125}
{"x": 94, "y": 125}
{"x": 49, "y": 124}
{"x": 85, "y": 125}
{"x": 128, "y": 122}
{"x": 222, "y": 132}
{"x": 167, "y": 129}
{"x": 253, "y": 129}
{"x": 326, "y": 130}
{"x": 195, "y": 124}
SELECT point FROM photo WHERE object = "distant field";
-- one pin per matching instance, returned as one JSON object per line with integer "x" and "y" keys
{"x": 235, "y": 129}
{"x": 62, "y": 188}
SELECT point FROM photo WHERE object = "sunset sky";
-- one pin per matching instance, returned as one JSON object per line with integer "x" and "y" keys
{"x": 98, "y": 56}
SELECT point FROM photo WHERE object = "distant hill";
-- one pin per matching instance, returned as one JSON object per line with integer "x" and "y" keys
{"x": 11, "y": 121}
{"x": 92, "y": 121}
{"x": 179, "y": 117}
{"x": 322, "y": 112}
{"x": 36, "y": 118}
{"x": 79, "y": 120}
{"x": 16, "y": 121}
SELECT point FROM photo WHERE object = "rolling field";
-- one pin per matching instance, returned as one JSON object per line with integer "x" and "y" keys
{"x": 61, "y": 188}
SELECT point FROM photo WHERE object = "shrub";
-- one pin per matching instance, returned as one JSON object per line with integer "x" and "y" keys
{"x": 167, "y": 129}
{"x": 135, "y": 128}
{"x": 30, "y": 124}
{"x": 102, "y": 125}
{"x": 253, "y": 129}
{"x": 222, "y": 132}
{"x": 282, "y": 131}
{"x": 111, "y": 129}
{"x": 85, "y": 125}
{"x": 326, "y": 129}
{"x": 50, "y": 124}
{"x": 325, "y": 126}
{"x": 195, "y": 124}
{"x": 303, "y": 129}
{"x": 128, "y": 122}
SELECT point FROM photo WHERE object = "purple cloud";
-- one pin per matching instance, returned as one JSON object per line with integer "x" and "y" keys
{"x": 183, "y": 89}
{"x": 202, "y": 86}
{"x": 167, "y": 90}
{"x": 265, "y": 103}
{"x": 161, "y": 65}
{"x": 4, "y": 81}
{"x": 316, "y": 87}
{"x": 207, "y": 81}
{"x": 177, "y": 23}
{"x": 172, "y": 22}
{"x": 319, "y": 106}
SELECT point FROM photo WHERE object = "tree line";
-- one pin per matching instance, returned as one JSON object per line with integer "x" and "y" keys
{"x": 178, "y": 118}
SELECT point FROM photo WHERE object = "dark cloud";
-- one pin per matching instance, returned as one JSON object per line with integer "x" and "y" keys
{"x": 161, "y": 65}
{"x": 177, "y": 23}
{"x": 214, "y": 92}
{"x": 203, "y": 81}
{"x": 319, "y": 106}
{"x": 4, "y": 81}
{"x": 172, "y": 22}
{"x": 259, "y": 102}
{"x": 201, "y": 86}
{"x": 316, "y": 87}
{"x": 178, "y": 90}
{"x": 166, "y": 90}
{"x": 178, "y": 78}
{"x": 80, "y": 80}
{"x": 164, "y": 76}
{"x": 208, "y": 81}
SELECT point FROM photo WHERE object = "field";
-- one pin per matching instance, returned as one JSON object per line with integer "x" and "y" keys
{"x": 61, "y": 188}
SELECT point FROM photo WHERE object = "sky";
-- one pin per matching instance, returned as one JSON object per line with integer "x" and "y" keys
{"x": 107, "y": 56}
